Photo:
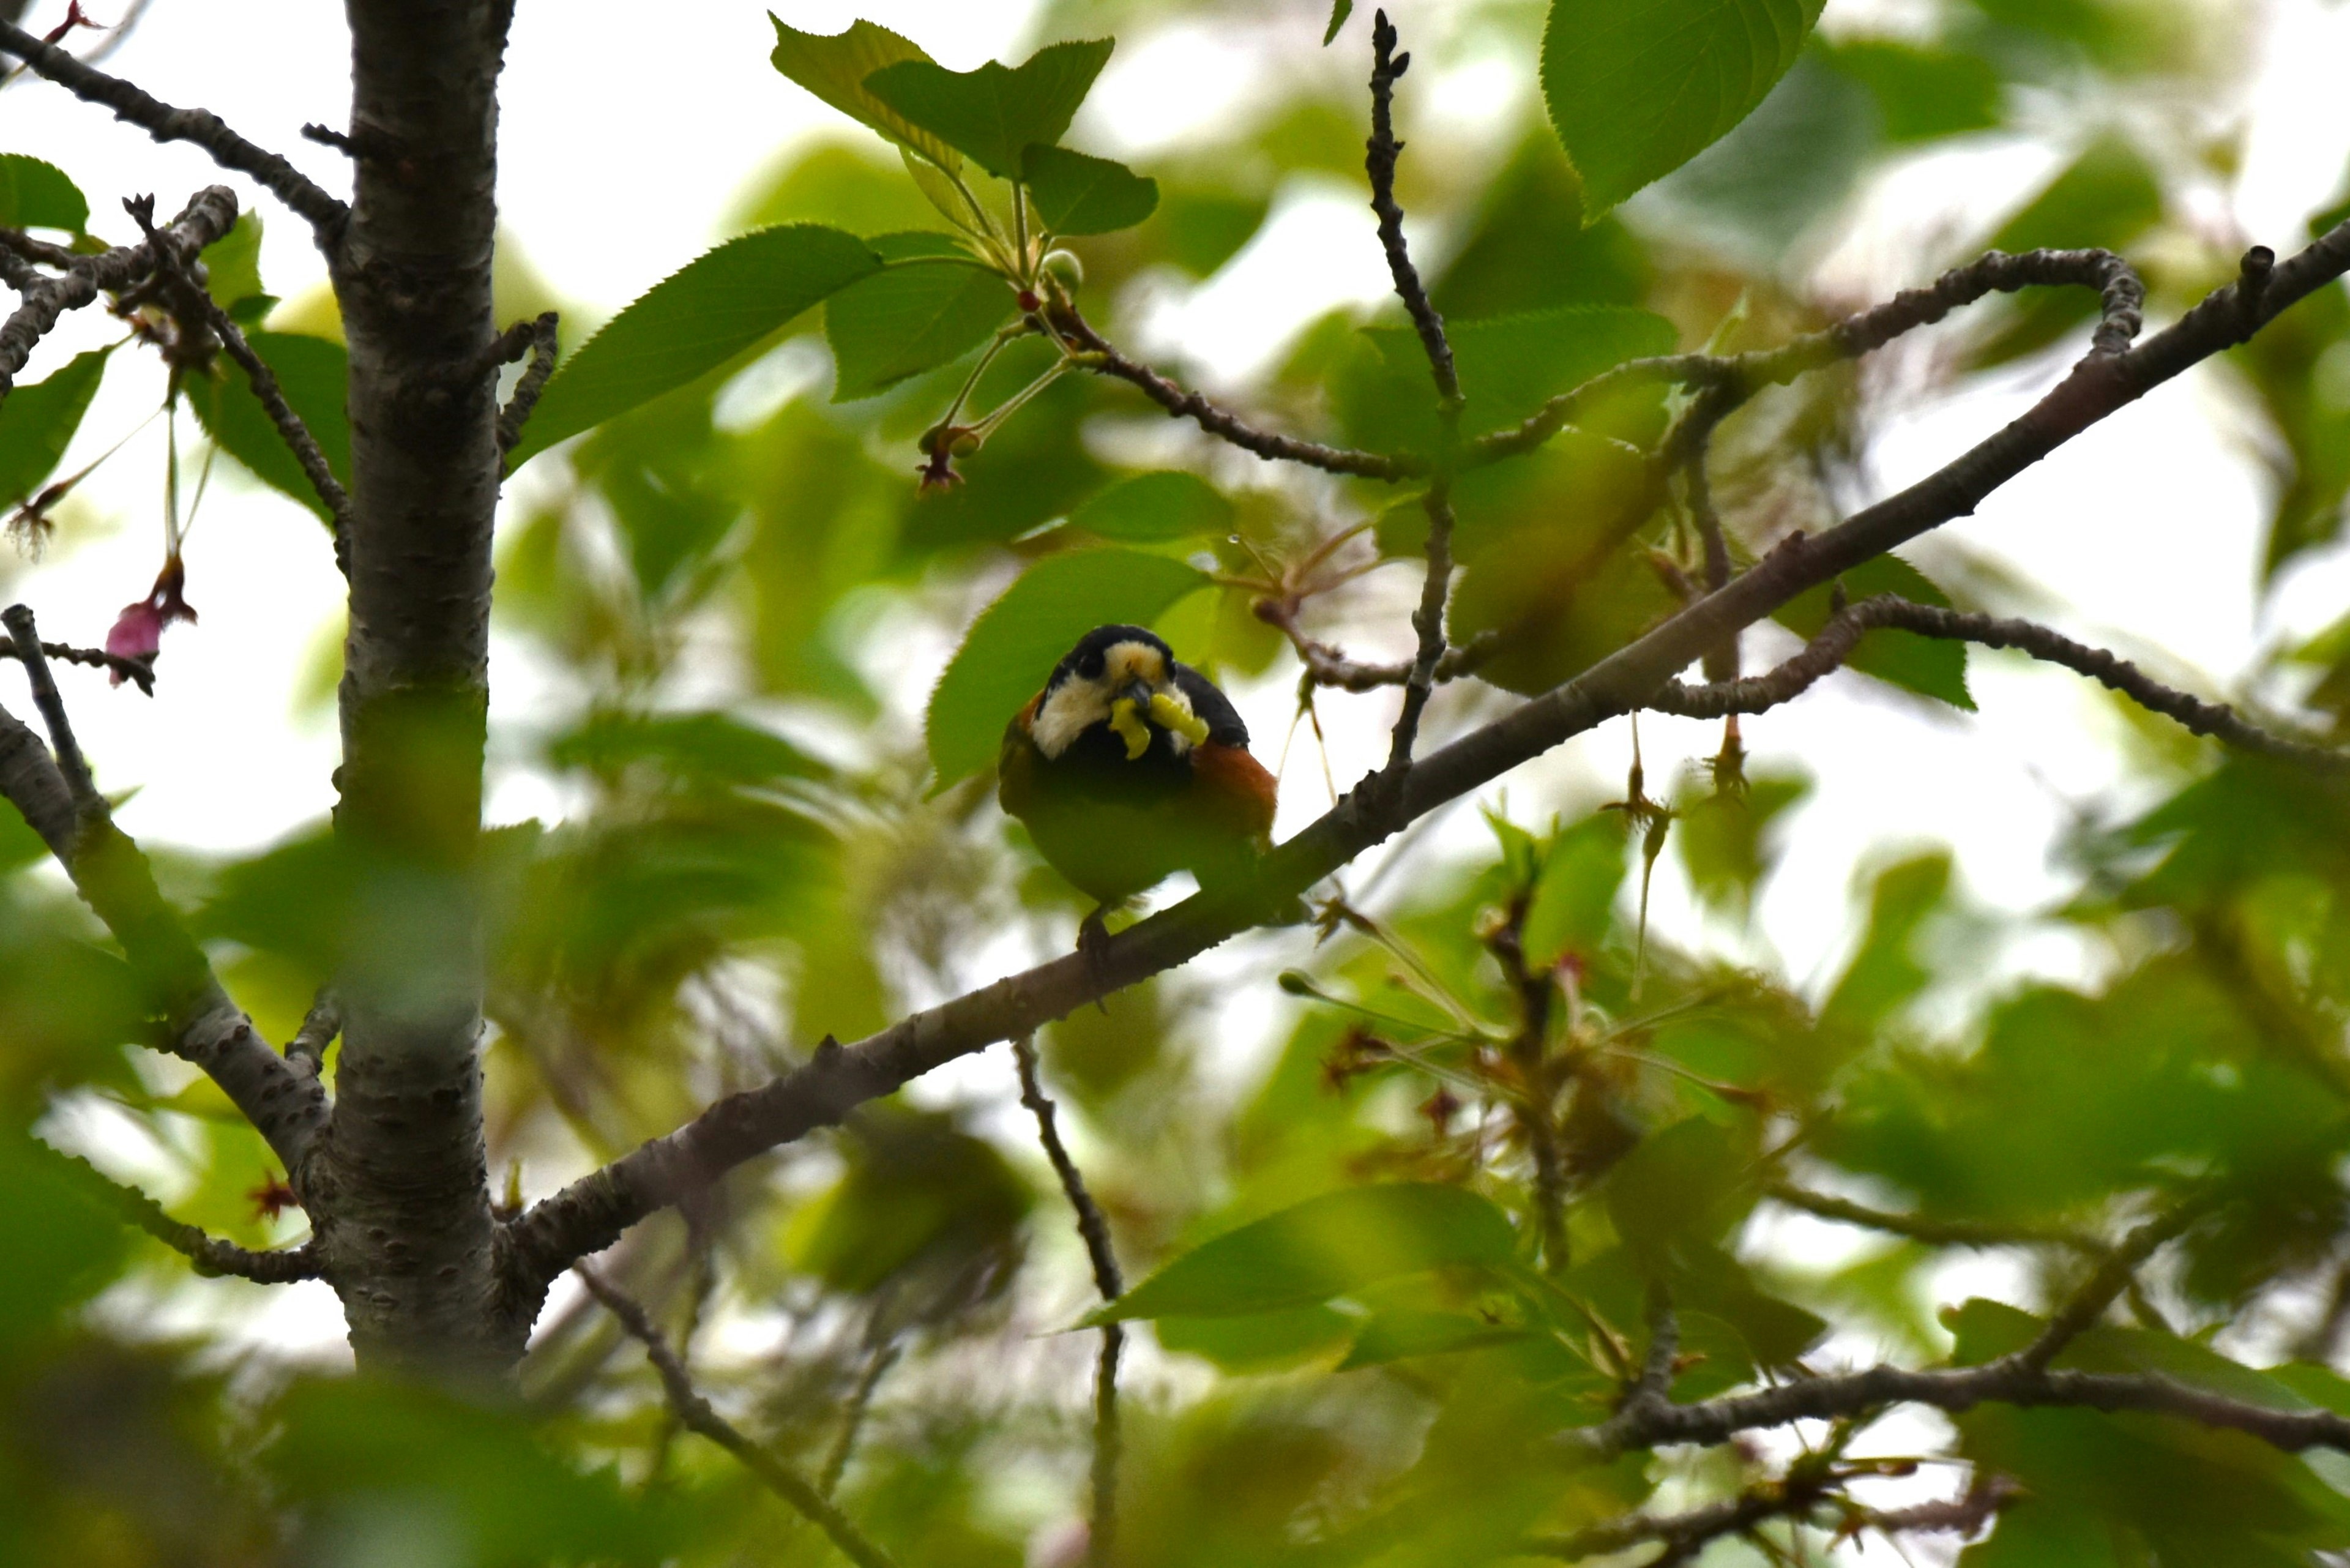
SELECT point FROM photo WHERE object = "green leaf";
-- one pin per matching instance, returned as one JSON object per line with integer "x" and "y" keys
{"x": 1079, "y": 195}
{"x": 39, "y": 420}
{"x": 1931, "y": 667}
{"x": 1920, "y": 92}
{"x": 1639, "y": 88}
{"x": 37, "y": 195}
{"x": 1324, "y": 1247}
{"x": 909, "y": 318}
{"x": 1017, "y": 640}
{"x": 693, "y": 321}
{"x": 1394, "y": 1335}
{"x": 313, "y": 373}
{"x": 1258, "y": 1342}
{"x": 1575, "y": 898}
{"x": 919, "y": 245}
{"x": 1339, "y": 11}
{"x": 835, "y": 67}
{"x": 232, "y": 263}
{"x": 994, "y": 112}
{"x": 371, "y": 1460}
{"x": 1154, "y": 508}
{"x": 696, "y": 751}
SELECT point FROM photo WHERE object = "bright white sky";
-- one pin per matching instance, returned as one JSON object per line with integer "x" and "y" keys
{"x": 627, "y": 134}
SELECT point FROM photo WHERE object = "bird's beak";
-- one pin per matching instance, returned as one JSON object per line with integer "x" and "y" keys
{"x": 1138, "y": 693}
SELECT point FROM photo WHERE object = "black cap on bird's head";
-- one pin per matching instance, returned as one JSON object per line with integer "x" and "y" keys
{"x": 1122, "y": 679}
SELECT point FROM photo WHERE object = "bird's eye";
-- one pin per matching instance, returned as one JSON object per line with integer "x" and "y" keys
{"x": 1089, "y": 664}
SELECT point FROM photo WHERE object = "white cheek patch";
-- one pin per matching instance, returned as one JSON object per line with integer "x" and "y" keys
{"x": 1073, "y": 707}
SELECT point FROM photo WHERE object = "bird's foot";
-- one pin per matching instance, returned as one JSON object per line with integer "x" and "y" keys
{"x": 1093, "y": 946}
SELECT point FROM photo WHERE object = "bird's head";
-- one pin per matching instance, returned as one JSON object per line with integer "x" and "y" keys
{"x": 1119, "y": 680}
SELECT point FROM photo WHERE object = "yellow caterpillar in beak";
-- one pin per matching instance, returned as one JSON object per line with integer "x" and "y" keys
{"x": 1129, "y": 727}
{"x": 1171, "y": 716}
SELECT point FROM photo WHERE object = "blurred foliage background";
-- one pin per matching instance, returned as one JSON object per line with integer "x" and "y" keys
{"x": 736, "y": 601}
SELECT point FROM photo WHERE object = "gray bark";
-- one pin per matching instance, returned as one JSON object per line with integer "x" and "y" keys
{"x": 398, "y": 1190}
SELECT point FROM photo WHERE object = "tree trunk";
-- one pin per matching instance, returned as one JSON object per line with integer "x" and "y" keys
{"x": 399, "y": 1187}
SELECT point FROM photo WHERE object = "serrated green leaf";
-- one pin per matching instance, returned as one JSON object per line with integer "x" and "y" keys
{"x": 1079, "y": 195}
{"x": 1931, "y": 667}
{"x": 37, "y": 422}
{"x": 1639, "y": 88}
{"x": 314, "y": 373}
{"x": 910, "y": 317}
{"x": 232, "y": 263}
{"x": 694, "y": 320}
{"x": 918, "y": 244}
{"x": 995, "y": 112}
{"x": 38, "y": 195}
{"x": 834, "y": 67}
{"x": 1017, "y": 640}
{"x": 1339, "y": 11}
{"x": 1324, "y": 1247}
{"x": 1154, "y": 508}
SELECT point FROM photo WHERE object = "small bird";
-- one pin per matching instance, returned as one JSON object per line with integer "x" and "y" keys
{"x": 1129, "y": 767}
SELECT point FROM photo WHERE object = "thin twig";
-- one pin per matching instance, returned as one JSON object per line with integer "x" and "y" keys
{"x": 190, "y": 296}
{"x": 1796, "y": 1498}
{"x": 324, "y": 214}
{"x": 1924, "y": 1227}
{"x": 1380, "y": 161}
{"x": 306, "y": 1052}
{"x": 87, "y": 803}
{"x": 209, "y": 1254}
{"x": 2112, "y": 1276}
{"x": 1379, "y": 156}
{"x": 17, "y": 242}
{"x": 537, "y": 338}
{"x": 1834, "y": 643}
{"x": 852, "y": 1420}
{"x": 1101, "y": 357}
{"x": 138, "y": 671}
{"x": 1095, "y": 1229}
{"x": 1331, "y": 666}
{"x": 700, "y": 1417}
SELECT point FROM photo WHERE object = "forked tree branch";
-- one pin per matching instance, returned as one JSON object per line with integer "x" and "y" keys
{"x": 1834, "y": 642}
{"x": 592, "y": 1212}
{"x": 537, "y": 338}
{"x": 200, "y": 1023}
{"x": 1741, "y": 375}
{"x": 211, "y": 214}
{"x": 209, "y": 1254}
{"x": 324, "y": 214}
{"x": 696, "y": 1415}
{"x": 189, "y": 297}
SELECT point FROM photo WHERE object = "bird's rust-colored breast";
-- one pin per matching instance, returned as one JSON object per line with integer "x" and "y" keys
{"x": 1240, "y": 785}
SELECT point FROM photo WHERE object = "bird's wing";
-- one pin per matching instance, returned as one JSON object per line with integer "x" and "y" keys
{"x": 1224, "y": 725}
